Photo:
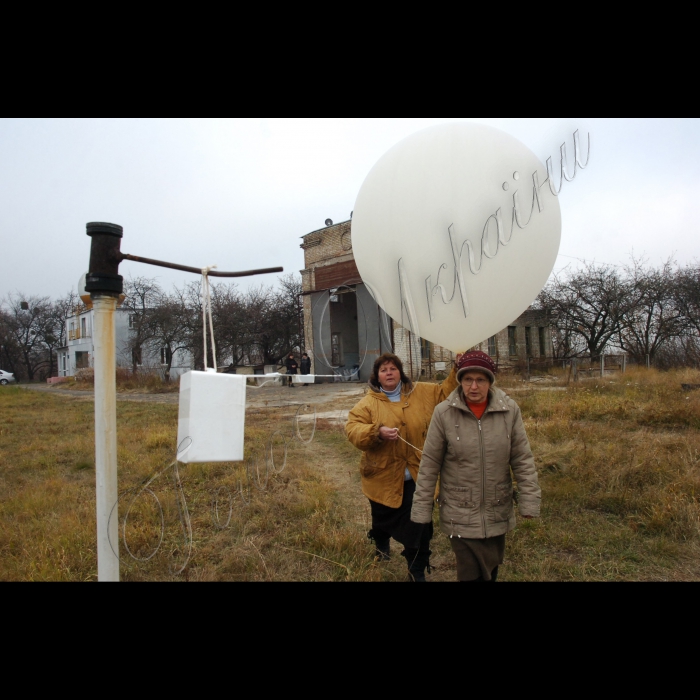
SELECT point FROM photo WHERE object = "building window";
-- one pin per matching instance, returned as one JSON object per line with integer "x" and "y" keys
{"x": 336, "y": 349}
{"x": 132, "y": 320}
{"x": 426, "y": 348}
{"x": 512, "y": 345}
{"x": 81, "y": 360}
{"x": 492, "y": 346}
{"x": 136, "y": 356}
{"x": 165, "y": 356}
{"x": 83, "y": 327}
{"x": 543, "y": 347}
{"x": 528, "y": 342}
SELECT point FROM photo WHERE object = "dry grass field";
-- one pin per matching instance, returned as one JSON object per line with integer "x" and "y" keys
{"x": 619, "y": 463}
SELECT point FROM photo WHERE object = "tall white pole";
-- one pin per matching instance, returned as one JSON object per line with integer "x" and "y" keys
{"x": 106, "y": 437}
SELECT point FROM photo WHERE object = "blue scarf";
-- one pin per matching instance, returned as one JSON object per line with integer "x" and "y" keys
{"x": 393, "y": 396}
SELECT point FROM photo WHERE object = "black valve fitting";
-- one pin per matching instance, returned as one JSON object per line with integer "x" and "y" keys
{"x": 105, "y": 256}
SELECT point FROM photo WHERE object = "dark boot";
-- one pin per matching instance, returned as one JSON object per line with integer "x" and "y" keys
{"x": 418, "y": 562}
{"x": 382, "y": 551}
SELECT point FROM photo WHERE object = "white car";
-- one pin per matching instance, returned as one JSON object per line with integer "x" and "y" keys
{"x": 7, "y": 377}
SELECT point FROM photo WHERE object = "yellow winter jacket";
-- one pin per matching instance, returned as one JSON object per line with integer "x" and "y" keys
{"x": 383, "y": 462}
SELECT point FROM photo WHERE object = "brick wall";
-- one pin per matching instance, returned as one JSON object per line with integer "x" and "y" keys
{"x": 332, "y": 243}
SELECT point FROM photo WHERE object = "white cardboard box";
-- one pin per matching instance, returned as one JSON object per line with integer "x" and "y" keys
{"x": 212, "y": 416}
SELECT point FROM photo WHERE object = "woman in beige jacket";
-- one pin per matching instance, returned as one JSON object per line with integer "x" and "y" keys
{"x": 476, "y": 444}
{"x": 389, "y": 426}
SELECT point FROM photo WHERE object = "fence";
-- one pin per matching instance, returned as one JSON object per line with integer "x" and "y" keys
{"x": 577, "y": 366}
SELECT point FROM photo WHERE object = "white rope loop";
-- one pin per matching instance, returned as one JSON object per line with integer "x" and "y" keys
{"x": 409, "y": 444}
{"x": 206, "y": 309}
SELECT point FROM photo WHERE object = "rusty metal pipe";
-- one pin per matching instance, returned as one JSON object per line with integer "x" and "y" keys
{"x": 198, "y": 270}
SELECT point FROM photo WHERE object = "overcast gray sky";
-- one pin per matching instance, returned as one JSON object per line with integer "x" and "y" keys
{"x": 239, "y": 193}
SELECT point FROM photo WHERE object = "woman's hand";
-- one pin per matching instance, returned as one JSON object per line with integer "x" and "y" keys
{"x": 388, "y": 433}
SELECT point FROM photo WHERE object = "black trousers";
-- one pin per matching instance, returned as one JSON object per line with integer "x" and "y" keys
{"x": 396, "y": 522}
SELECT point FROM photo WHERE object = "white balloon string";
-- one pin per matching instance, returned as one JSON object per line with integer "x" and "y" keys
{"x": 206, "y": 308}
{"x": 409, "y": 444}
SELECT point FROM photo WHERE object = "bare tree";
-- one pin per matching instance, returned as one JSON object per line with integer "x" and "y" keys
{"x": 142, "y": 296}
{"x": 168, "y": 327}
{"x": 291, "y": 310}
{"x": 26, "y": 323}
{"x": 10, "y": 353}
{"x": 652, "y": 317}
{"x": 590, "y": 303}
{"x": 275, "y": 316}
{"x": 264, "y": 342}
{"x": 233, "y": 323}
{"x": 686, "y": 292}
{"x": 62, "y": 309}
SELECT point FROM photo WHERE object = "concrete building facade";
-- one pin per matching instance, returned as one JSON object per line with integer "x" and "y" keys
{"x": 79, "y": 351}
{"x": 345, "y": 330}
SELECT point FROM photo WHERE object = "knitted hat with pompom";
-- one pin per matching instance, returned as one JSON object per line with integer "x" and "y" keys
{"x": 476, "y": 360}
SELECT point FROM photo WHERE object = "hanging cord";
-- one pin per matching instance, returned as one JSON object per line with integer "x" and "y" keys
{"x": 206, "y": 308}
{"x": 182, "y": 509}
{"x": 409, "y": 444}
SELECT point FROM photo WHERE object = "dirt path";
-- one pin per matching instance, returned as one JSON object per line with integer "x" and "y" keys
{"x": 340, "y": 467}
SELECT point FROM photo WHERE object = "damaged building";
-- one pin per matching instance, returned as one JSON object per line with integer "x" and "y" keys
{"x": 345, "y": 329}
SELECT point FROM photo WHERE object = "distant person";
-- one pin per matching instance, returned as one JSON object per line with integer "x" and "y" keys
{"x": 305, "y": 365}
{"x": 291, "y": 365}
{"x": 476, "y": 443}
{"x": 389, "y": 425}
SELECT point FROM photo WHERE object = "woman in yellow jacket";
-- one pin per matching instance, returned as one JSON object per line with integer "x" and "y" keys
{"x": 389, "y": 426}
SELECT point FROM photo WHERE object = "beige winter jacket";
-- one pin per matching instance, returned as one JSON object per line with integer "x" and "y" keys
{"x": 383, "y": 462}
{"x": 474, "y": 459}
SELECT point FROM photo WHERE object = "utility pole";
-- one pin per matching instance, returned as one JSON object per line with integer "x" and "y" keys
{"x": 105, "y": 284}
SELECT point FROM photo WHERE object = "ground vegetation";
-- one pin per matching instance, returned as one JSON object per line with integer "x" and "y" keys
{"x": 618, "y": 459}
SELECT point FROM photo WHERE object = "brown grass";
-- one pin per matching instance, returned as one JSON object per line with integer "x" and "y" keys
{"x": 619, "y": 464}
{"x": 127, "y": 382}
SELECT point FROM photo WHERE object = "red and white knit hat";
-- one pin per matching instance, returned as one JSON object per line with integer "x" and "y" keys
{"x": 476, "y": 360}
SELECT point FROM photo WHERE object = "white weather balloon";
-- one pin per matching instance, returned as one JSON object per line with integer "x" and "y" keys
{"x": 455, "y": 232}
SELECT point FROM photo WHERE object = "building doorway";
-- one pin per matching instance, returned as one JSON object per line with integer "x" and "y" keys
{"x": 345, "y": 351}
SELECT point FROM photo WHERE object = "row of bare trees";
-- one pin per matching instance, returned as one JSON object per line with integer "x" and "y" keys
{"x": 258, "y": 325}
{"x": 650, "y": 313}
{"x": 31, "y": 329}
